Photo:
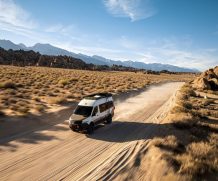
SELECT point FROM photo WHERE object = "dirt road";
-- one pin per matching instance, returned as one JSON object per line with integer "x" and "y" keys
{"x": 60, "y": 154}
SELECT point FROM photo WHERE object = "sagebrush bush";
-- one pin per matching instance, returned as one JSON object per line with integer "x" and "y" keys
{"x": 27, "y": 83}
{"x": 179, "y": 109}
{"x": 8, "y": 85}
{"x": 40, "y": 108}
{"x": 63, "y": 82}
{"x": 57, "y": 100}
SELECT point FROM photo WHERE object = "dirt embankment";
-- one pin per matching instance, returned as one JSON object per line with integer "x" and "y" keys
{"x": 189, "y": 147}
{"x": 118, "y": 151}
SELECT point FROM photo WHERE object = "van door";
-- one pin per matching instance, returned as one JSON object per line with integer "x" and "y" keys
{"x": 95, "y": 115}
{"x": 103, "y": 110}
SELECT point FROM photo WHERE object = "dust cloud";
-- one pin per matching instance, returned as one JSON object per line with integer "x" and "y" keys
{"x": 154, "y": 95}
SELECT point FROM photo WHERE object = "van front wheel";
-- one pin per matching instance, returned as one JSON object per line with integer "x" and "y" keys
{"x": 109, "y": 119}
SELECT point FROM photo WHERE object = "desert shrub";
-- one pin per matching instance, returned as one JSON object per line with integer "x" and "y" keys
{"x": 182, "y": 124}
{"x": 14, "y": 107}
{"x": 8, "y": 85}
{"x": 77, "y": 95}
{"x": 63, "y": 82}
{"x": 37, "y": 99}
{"x": 214, "y": 113}
{"x": 51, "y": 94}
{"x": 57, "y": 100}
{"x": 207, "y": 102}
{"x": 23, "y": 110}
{"x": 56, "y": 91}
{"x": 200, "y": 159}
{"x": 20, "y": 95}
{"x": 40, "y": 108}
{"x": 74, "y": 79}
{"x": 185, "y": 104}
{"x": 169, "y": 143}
{"x": 10, "y": 91}
{"x": 183, "y": 120}
{"x": 179, "y": 109}
{"x": 188, "y": 90}
{"x": 12, "y": 101}
{"x": 204, "y": 112}
{"x": 70, "y": 96}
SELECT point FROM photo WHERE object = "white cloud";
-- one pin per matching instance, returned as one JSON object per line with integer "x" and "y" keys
{"x": 199, "y": 58}
{"x": 13, "y": 16}
{"x": 171, "y": 50}
{"x": 134, "y": 9}
{"x": 62, "y": 29}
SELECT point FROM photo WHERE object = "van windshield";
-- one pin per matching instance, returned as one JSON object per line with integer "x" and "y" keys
{"x": 83, "y": 110}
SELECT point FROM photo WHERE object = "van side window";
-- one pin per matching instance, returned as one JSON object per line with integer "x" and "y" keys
{"x": 103, "y": 107}
{"x": 110, "y": 104}
{"x": 95, "y": 111}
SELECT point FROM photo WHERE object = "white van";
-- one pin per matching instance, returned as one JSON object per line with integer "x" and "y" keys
{"x": 92, "y": 110}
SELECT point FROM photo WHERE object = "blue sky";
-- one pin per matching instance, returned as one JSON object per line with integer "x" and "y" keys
{"x": 178, "y": 32}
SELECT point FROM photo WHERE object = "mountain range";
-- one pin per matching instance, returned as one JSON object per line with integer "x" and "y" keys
{"x": 47, "y": 49}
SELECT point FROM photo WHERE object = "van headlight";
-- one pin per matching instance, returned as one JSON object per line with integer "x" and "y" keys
{"x": 85, "y": 120}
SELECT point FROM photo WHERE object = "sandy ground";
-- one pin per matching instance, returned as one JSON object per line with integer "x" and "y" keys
{"x": 112, "y": 152}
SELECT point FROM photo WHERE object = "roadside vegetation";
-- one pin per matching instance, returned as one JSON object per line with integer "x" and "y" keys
{"x": 192, "y": 148}
{"x": 26, "y": 90}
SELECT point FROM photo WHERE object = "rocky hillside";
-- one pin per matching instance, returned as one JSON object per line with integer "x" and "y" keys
{"x": 31, "y": 58}
{"x": 47, "y": 49}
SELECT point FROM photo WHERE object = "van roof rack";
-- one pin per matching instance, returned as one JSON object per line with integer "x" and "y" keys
{"x": 98, "y": 96}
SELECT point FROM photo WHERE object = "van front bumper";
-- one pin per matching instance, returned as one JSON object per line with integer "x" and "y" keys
{"x": 79, "y": 127}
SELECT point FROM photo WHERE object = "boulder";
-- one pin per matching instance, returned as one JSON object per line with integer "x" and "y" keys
{"x": 201, "y": 83}
{"x": 209, "y": 74}
{"x": 213, "y": 84}
{"x": 215, "y": 70}
{"x": 207, "y": 80}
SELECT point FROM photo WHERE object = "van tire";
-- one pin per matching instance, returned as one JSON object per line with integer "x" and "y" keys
{"x": 74, "y": 130}
{"x": 109, "y": 119}
{"x": 90, "y": 129}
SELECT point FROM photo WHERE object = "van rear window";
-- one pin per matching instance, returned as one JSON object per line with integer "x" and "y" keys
{"x": 83, "y": 110}
{"x": 105, "y": 106}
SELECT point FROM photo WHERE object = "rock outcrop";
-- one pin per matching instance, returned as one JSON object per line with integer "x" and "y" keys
{"x": 208, "y": 80}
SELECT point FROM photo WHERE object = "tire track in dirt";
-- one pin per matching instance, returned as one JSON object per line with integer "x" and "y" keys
{"x": 76, "y": 156}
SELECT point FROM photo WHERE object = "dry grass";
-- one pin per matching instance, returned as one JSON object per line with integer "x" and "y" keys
{"x": 8, "y": 85}
{"x": 194, "y": 146}
{"x": 57, "y": 100}
{"x": 199, "y": 160}
{"x": 47, "y": 86}
{"x": 169, "y": 143}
